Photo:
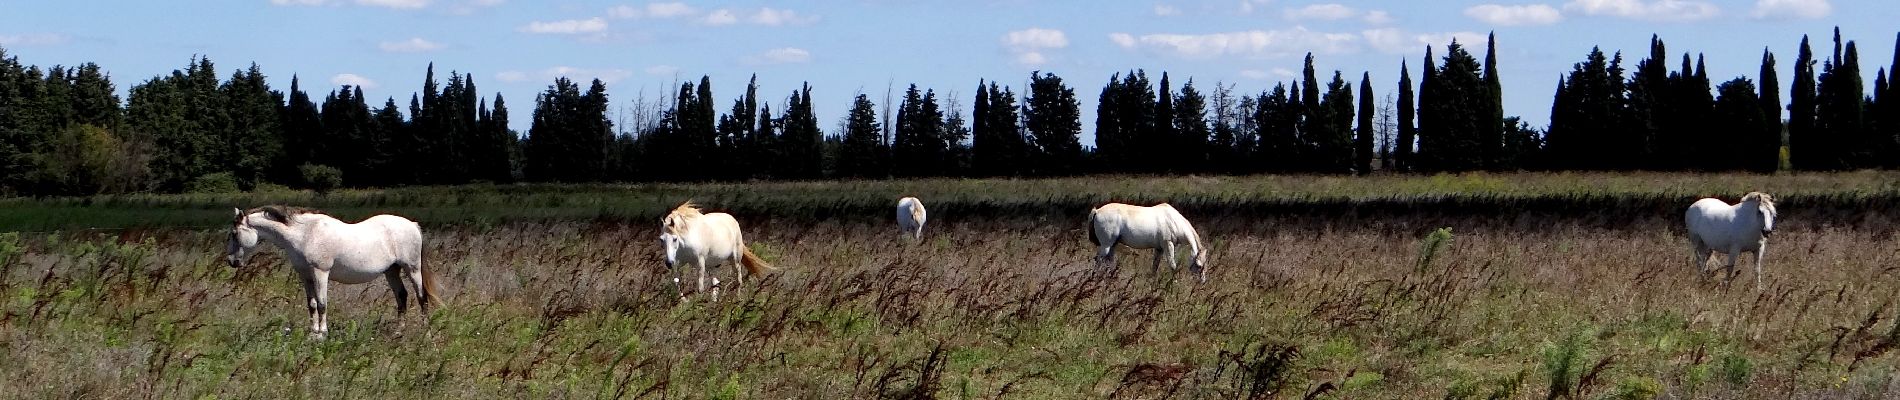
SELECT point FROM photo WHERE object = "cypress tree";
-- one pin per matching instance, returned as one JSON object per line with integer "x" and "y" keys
{"x": 1806, "y": 150}
{"x": 1362, "y": 143}
{"x": 1408, "y": 134}
{"x": 1767, "y": 158}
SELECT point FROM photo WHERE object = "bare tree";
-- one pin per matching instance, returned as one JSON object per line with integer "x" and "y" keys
{"x": 1384, "y": 128}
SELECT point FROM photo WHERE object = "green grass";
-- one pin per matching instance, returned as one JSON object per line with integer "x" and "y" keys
{"x": 1005, "y": 304}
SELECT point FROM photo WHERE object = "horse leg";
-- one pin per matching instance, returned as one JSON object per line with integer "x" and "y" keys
{"x": 422, "y": 291}
{"x": 1700, "y": 256}
{"x": 702, "y": 280}
{"x": 320, "y": 279}
{"x": 1758, "y": 256}
{"x": 394, "y": 276}
{"x": 310, "y": 302}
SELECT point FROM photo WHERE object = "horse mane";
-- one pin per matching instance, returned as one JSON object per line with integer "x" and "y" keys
{"x": 1765, "y": 199}
{"x": 282, "y": 213}
{"x": 687, "y": 209}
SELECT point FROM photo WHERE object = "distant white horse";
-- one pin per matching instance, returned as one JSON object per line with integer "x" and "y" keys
{"x": 323, "y": 249}
{"x": 910, "y": 217}
{"x": 1158, "y": 227}
{"x": 705, "y": 240}
{"x": 1715, "y": 225}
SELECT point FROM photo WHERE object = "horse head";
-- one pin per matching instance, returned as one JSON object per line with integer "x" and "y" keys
{"x": 674, "y": 225}
{"x": 1765, "y": 207}
{"x": 242, "y": 240}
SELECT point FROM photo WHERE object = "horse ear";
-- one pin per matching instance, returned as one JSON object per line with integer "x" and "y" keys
{"x": 235, "y": 212}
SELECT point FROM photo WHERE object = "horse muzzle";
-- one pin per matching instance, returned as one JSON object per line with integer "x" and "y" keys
{"x": 234, "y": 262}
{"x": 1767, "y": 232}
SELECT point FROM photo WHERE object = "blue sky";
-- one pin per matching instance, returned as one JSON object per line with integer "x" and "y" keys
{"x": 842, "y": 48}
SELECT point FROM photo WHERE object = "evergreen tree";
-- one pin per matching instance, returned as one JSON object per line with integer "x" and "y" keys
{"x": 1429, "y": 156}
{"x": 1806, "y": 149}
{"x": 1737, "y": 116}
{"x": 1161, "y": 135}
{"x": 1586, "y": 115}
{"x": 1005, "y": 122}
{"x": 984, "y": 152}
{"x": 1652, "y": 129}
{"x": 1053, "y": 118}
{"x": 1490, "y": 110}
{"x": 1453, "y": 129}
{"x": 1331, "y": 135}
{"x": 802, "y": 142}
{"x": 1689, "y": 116}
{"x": 1768, "y": 158}
{"x": 863, "y": 150}
{"x": 1839, "y": 118}
{"x": 1191, "y": 133}
{"x": 1362, "y": 141}
{"x": 1408, "y": 135}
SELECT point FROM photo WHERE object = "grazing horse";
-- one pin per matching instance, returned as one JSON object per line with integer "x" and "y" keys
{"x": 910, "y": 217}
{"x": 323, "y": 249}
{"x": 705, "y": 240}
{"x": 1715, "y": 225}
{"x": 1158, "y": 227}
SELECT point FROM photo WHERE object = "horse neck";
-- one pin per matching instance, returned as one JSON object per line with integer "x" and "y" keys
{"x": 285, "y": 236}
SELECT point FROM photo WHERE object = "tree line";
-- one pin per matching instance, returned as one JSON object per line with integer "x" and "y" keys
{"x": 64, "y": 130}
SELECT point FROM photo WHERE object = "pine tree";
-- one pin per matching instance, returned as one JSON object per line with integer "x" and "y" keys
{"x": 1191, "y": 132}
{"x": 1408, "y": 134}
{"x": 1652, "y": 129}
{"x": 1490, "y": 106}
{"x": 802, "y": 142}
{"x": 1333, "y": 136}
{"x": 1806, "y": 149}
{"x": 1737, "y": 116}
{"x": 1052, "y": 116}
{"x": 1767, "y": 158}
{"x": 1006, "y": 124}
{"x": 1362, "y": 142}
{"x": 860, "y": 157}
{"x": 1839, "y": 110}
{"x": 1162, "y": 136}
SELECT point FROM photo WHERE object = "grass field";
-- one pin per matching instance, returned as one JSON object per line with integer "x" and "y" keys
{"x": 1333, "y": 287}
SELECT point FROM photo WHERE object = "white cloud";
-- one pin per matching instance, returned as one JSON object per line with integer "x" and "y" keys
{"x": 1036, "y": 38}
{"x": 1395, "y": 41}
{"x": 413, "y": 45}
{"x": 1028, "y": 44}
{"x": 1252, "y": 44}
{"x": 1248, "y": 6}
{"x": 1321, "y": 12}
{"x": 1253, "y": 74}
{"x": 1166, "y": 10}
{"x": 567, "y": 27}
{"x": 1515, "y": 15}
{"x": 662, "y": 70}
{"x": 1650, "y": 10}
{"x": 782, "y": 55}
{"x": 1378, "y": 17}
{"x": 353, "y": 80}
{"x": 1284, "y": 73}
{"x": 768, "y": 16}
{"x": 652, "y": 10}
{"x": 1806, "y": 9}
{"x": 34, "y": 39}
{"x": 669, "y": 10}
{"x": 720, "y": 17}
{"x": 298, "y": 2}
{"x": 397, "y": 4}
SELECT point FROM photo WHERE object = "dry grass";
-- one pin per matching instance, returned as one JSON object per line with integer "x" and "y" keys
{"x": 980, "y": 308}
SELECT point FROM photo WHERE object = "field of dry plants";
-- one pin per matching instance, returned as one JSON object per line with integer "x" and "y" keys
{"x": 1332, "y": 304}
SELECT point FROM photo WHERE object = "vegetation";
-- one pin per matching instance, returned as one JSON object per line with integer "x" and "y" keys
{"x": 64, "y": 131}
{"x": 1540, "y": 285}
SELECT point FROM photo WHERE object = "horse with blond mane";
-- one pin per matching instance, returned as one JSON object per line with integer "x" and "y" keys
{"x": 910, "y": 217}
{"x": 1158, "y": 227}
{"x": 1744, "y": 227}
{"x": 706, "y": 240}
{"x": 323, "y": 249}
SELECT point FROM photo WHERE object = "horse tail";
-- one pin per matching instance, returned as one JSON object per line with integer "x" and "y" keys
{"x": 429, "y": 288}
{"x": 753, "y": 264}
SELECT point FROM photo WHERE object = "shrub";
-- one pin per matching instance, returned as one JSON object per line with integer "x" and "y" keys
{"x": 216, "y": 182}
{"x": 321, "y": 178}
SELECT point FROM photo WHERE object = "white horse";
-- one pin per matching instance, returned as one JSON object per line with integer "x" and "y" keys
{"x": 705, "y": 240}
{"x": 1715, "y": 225}
{"x": 1158, "y": 227}
{"x": 910, "y": 217}
{"x": 323, "y": 249}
